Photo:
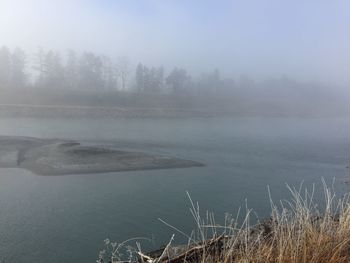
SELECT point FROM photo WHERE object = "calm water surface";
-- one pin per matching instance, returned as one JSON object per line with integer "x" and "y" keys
{"x": 66, "y": 218}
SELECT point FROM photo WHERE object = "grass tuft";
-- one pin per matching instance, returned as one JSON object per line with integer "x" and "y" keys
{"x": 298, "y": 231}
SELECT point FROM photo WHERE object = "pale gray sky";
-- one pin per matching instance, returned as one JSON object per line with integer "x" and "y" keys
{"x": 308, "y": 39}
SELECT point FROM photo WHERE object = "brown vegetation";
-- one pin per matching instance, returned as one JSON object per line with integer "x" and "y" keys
{"x": 297, "y": 231}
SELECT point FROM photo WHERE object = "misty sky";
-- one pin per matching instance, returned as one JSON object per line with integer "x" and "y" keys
{"x": 308, "y": 39}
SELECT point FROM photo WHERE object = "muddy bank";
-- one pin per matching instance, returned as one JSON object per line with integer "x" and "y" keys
{"x": 60, "y": 157}
{"x": 66, "y": 111}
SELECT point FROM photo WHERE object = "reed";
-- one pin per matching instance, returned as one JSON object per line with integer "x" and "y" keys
{"x": 298, "y": 231}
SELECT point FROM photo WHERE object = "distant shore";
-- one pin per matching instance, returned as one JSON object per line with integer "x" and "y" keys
{"x": 114, "y": 112}
{"x": 69, "y": 111}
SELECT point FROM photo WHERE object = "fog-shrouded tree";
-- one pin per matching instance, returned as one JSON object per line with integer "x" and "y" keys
{"x": 109, "y": 74}
{"x": 53, "y": 70}
{"x": 157, "y": 79}
{"x": 49, "y": 68}
{"x": 18, "y": 68}
{"x": 39, "y": 66}
{"x": 215, "y": 80}
{"x": 179, "y": 81}
{"x": 90, "y": 71}
{"x": 71, "y": 70}
{"x": 140, "y": 78}
{"x": 210, "y": 83}
{"x": 5, "y": 67}
{"x": 149, "y": 80}
{"x": 123, "y": 70}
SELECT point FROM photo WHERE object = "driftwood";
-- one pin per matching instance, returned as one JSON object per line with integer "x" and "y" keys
{"x": 212, "y": 247}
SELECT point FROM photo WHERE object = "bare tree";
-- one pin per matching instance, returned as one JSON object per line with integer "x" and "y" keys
{"x": 123, "y": 69}
{"x": 39, "y": 66}
{"x": 109, "y": 74}
{"x": 71, "y": 70}
{"x": 54, "y": 71}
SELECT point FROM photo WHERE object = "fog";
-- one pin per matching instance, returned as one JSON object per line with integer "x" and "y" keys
{"x": 111, "y": 110}
{"x": 261, "y": 56}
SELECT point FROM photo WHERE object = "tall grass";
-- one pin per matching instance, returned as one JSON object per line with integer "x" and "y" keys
{"x": 298, "y": 230}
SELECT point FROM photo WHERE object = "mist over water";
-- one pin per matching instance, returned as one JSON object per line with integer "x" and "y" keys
{"x": 257, "y": 91}
{"x": 66, "y": 218}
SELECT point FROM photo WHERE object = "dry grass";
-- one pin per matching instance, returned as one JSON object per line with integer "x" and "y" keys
{"x": 298, "y": 231}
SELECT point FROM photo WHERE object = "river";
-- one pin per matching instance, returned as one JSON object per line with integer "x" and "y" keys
{"x": 66, "y": 218}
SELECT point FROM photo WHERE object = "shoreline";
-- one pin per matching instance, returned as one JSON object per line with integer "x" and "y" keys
{"x": 82, "y": 111}
{"x": 13, "y": 110}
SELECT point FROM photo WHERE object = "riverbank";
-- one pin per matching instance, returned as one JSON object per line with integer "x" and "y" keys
{"x": 68, "y": 111}
{"x": 297, "y": 231}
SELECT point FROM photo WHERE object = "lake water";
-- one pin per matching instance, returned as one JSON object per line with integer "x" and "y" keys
{"x": 66, "y": 218}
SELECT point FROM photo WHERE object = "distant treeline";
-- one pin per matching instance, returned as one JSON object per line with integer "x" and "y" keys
{"x": 72, "y": 76}
{"x": 89, "y": 71}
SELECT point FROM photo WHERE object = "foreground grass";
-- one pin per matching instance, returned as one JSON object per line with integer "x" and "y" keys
{"x": 297, "y": 231}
